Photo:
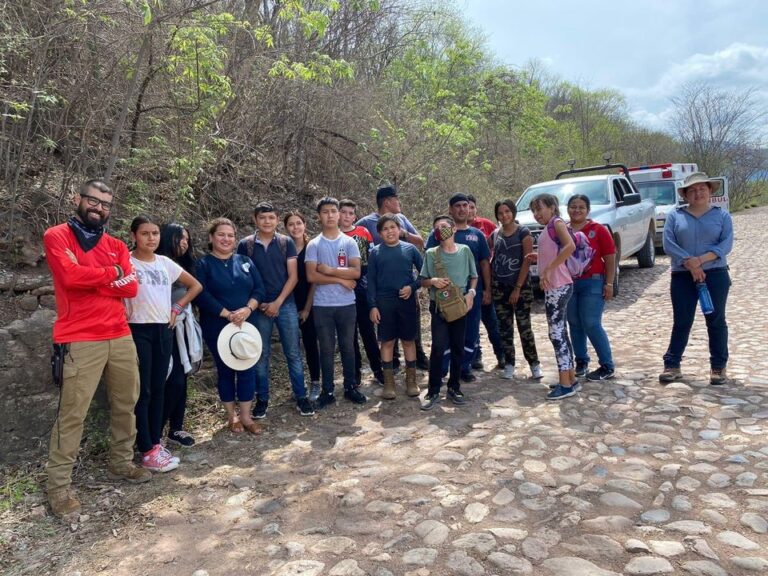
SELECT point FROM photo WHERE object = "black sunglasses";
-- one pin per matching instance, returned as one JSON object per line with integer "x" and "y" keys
{"x": 93, "y": 202}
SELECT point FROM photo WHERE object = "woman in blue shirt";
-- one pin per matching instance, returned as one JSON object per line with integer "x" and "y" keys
{"x": 232, "y": 292}
{"x": 698, "y": 238}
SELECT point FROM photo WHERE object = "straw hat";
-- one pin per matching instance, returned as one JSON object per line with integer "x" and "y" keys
{"x": 699, "y": 178}
{"x": 239, "y": 346}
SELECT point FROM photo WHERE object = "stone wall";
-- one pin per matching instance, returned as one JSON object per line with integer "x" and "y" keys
{"x": 28, "y": 398}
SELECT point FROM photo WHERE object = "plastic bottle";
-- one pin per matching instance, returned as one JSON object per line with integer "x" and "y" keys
{"x": 342, "y": 258}
{"x": 705, "y": 300}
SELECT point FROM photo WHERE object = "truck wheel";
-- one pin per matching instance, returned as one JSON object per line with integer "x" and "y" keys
{"x": 646, "y": 258}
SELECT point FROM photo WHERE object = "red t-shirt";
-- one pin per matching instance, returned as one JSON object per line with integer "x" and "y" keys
{"x": 89, "y": 298}
{"x": 486, "y": 226}
{"x": 601, "y": 240}
{"x": 364, "y": 242}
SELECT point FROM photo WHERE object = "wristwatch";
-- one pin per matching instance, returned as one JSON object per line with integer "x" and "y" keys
{"x": 472, "y": 291}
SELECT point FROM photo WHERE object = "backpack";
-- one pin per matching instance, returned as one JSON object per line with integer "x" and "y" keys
{"x": 282, "y": 242}
{"x": 578, "y": 262}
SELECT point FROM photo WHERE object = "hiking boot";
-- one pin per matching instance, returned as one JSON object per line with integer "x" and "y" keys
{"x": 581, "y": 368}
{"x": 325, "y": 399}
{"x": 260, "y": 409}
{"x": 304, "y": 406}
{"x": 560, "y": 392}
{"x": 509, "y": 372}
{"x": 536, "y": 372}
{"x": 411, "y": 387}
{"x": 602, "y": 373}
{"x": 355, "y": 396}
{"x": 670, "y": 375}
{"x": 389, "y": 392}
{"x": 456, "y": 396}
{"x": 129, "y": 472}
{"x": 477, "y": 363}
{"x": 718, "y": 376}
{"x": 181, "y": 438}
{"x": 314, "y": 390}
{"x": 430, "y": 401}
{"x": 159, "y": 460}
{"x": 63, "y": 502}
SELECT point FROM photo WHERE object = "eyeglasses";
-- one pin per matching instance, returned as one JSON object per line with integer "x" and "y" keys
{"x": 93, "y": 202}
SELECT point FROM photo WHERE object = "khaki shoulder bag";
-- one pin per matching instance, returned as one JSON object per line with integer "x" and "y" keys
{"x": 449, "y": 300}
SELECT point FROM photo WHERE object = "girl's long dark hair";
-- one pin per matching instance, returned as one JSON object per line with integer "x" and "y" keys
{"x": 300, "y": 216}
{"x": 170, "y": 240}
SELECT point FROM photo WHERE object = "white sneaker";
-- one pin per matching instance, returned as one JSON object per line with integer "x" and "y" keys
{"x": 536, "y": 372}
{"x": 509, "y": 372}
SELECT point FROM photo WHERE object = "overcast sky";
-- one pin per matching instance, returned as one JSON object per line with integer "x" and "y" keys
{"x": 644, "y": 48}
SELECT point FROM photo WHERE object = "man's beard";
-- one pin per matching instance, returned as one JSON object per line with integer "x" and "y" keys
{"x": 83, "y": 212}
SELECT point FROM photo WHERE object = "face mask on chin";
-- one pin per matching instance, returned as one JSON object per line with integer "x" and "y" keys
{"x": 443, "y": 233}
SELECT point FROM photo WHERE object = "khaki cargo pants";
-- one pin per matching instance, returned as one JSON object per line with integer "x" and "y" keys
{"x": 83, "y": 367}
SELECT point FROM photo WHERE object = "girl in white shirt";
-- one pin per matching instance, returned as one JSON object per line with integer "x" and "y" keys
{"x": 151, "y": 317}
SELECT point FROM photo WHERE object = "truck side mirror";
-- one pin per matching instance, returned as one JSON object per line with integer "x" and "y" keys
{"x": 631, "y": 199}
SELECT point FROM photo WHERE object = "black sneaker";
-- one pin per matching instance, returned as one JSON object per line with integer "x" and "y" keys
{"x": 260, "y": 409}
{"x": 325, "y": 399}
{"x": 422, "y": 362}
{"x": 468, "y": 377}
{"x": 181, "y": 438}
{"x": 602, "y": 373}
{"x": 355, "y": 396}
{"x": 477, "y": 363}
{"x": 581, "y": 369}
{"x": 456, "y": 396}
{"x": 379, "y": 375}
{"x": 430, "y": 400}
{"x": 304, "y": 406}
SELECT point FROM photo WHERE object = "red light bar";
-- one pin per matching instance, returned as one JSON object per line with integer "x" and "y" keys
{"x": 666, "y": 174}
{"x": 652, "y": 167}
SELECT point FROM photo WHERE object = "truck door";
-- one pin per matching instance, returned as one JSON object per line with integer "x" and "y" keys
{"x": 622, "y": 220}
{"x": 635, "y": 224}
{"x": 721, "y": 198}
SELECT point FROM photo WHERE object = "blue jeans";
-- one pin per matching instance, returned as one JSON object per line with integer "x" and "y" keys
{"x": 491, "y": 323}
{"x": 585, "y": 319}
{"x": 287, "y": 322}
{"x": 685, "y": 299}
{"x": 331, "y": 321}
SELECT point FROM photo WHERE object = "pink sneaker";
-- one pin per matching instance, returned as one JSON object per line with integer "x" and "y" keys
{"x": 158, "y": 460}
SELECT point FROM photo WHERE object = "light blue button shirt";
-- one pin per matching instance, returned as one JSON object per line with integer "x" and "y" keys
{"x": 686, "y": 236}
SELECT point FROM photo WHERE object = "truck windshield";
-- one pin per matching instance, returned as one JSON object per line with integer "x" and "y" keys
{"x": 662, "y": 193}
{"x": 595, "y": 190}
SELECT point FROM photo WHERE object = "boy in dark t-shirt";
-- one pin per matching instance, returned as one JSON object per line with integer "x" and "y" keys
{"x": 392, "y": 301}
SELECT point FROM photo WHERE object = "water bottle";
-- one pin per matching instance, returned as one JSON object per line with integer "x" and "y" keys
{"x": 705, "y": 300}
{"x": 342, "y": 258}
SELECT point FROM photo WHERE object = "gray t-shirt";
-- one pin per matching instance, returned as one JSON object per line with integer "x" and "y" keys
{"x": 323, "y": 250}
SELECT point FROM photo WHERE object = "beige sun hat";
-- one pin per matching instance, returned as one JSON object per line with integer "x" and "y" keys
{"x": 239, "y": 346}
{"x": 699, "y": 178}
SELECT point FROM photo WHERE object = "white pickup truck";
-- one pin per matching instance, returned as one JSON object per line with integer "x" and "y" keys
{"x": 615, "y": 203}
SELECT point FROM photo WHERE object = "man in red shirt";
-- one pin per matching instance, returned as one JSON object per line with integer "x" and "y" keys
{"x": 483, "y": 224}
{"x": 92, "y": 274}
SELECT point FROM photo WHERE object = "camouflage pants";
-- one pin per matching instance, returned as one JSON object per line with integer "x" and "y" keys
{"x": 521, "y": 313}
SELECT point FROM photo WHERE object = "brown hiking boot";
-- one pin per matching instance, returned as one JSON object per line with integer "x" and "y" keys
{"x": 670, "y": 375}
{"x": 129, "y": 472}
{"x": 389, "y": 392}
{"x": 717, "y": 376}
{"x": 63, "y": 502}
{"x": 411, "y": 388}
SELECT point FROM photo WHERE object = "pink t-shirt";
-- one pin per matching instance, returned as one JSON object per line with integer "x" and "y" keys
{"x": 547, "y": 251}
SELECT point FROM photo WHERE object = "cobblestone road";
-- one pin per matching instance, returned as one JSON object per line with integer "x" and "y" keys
{"x": 627, "y": 478}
